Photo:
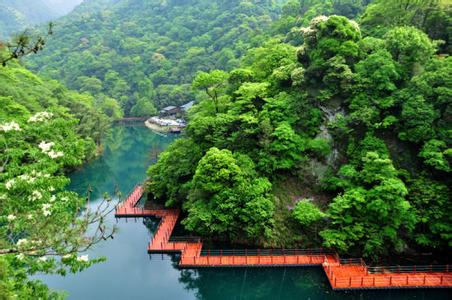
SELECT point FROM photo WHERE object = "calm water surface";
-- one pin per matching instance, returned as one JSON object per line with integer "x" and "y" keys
{"x": 130, "y": 273}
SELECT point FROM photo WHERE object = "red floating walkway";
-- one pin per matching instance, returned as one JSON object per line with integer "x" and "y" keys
{"x": 342, "y": 274}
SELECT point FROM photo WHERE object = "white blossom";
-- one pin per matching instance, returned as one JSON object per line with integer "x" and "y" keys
{"x": 21, "y": 242}
{"x": 11, "y": 217}
{"x": 40, "y": 117}
{"x": 11, "y": 126}
{"x": 355, "y": 25}
{"x": 45, "y": 147}
{"x": 3, "y": 196}
{"x": 36, "y": 195}
{"x": 20, "y": 256}
{"x": 45, "y": 209}
{"x": 10, "y": 183}
{"x": 83, "y": 258}
{"x": 51, "y": 189}
{"x": 306, "y": 30}
{"x": 29, "y": 216}
{"x": 55, "y": 154}
{"x": 67, "y": 256}
{"x": 27, "y": 178}
{"x": 39, "y": 174}
{"x": 42, "y": 259}
{"x": 319, "y": 19}
{"x": 53, "y": 198}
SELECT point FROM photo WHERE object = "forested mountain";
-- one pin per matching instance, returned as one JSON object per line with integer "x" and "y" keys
{"x": 137, "y": 51}
{"x": 342, "y": 142}
{"x": 18, "y": 15}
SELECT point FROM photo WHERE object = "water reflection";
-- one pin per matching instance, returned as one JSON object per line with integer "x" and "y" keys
{"x": 282, "y": 283}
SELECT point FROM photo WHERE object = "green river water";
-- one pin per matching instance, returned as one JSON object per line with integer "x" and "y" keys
{"x": 130, "y": 273}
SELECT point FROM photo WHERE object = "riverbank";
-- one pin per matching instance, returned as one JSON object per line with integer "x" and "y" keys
{"x": 165, "y": 125}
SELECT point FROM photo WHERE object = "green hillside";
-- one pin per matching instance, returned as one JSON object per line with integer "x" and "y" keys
{"x": 150, "y": 50}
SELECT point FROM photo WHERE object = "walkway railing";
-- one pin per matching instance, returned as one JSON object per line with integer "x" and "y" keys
{"x": 192, "y": 239}
{"x": 409, "y": 269}
{"x": 129, "y": 194}
{"x": 352, "y": 261}
{"x": 394, "y": 281}
{"x": 265, "y": 252}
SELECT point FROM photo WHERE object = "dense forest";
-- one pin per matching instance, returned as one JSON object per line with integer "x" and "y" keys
{"x": 336, "y": 134}
{"x": 317, "y": 124}
{"x": 145, "y": 53}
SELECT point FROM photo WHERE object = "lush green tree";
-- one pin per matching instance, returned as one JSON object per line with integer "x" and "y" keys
{"x": 376, "y": 77}
{"x": 306, "y": 213}
{"x": 213, "y": 83}
{"x": 431, "y": 16}
{"x": 354, "y": 119}
{"x": 330, "y": 50}
{"x": 143, "y": 108}
{"x": 418, "y": 116}
{"x": 170, "y": 177}
{"x": 432, "y": 84}
{"x": 286, "y": 149}
{"x": 410, "y": 47}
{"x": 228, "y": 199}
{"x": 430, "y": 200}
{"x": 436, "y": 154}
{"x": 372, "y": 210}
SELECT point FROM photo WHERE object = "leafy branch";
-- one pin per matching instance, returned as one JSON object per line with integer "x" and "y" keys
{"x": 25, "y": 44}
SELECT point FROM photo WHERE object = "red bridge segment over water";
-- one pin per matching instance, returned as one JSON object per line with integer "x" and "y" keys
{"x": 341, "y": 273}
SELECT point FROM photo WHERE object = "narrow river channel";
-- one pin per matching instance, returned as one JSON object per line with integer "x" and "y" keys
{"x": 130, "y": 273}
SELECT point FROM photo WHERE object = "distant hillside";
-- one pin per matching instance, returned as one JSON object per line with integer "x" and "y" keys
{"x": 149, "y": 50}
{"x": 17, "y": 15}
{"x": 62, "y": 7}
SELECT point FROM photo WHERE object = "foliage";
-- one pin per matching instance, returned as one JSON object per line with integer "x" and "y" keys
{"x": 228, "y": 199}
{"x": 21, "y": 89}
{"x": 360, "y": 117}
{"x": 43, "y": 226}
{"x": 430, "y": 199}
{"x": 22, "y": 45}
{"x": 135, "y": 48}
{"x": 212, "y": 83}
{"x": 170, "y": 177}
{"x": 372, "y": 209}
{"x": 328, "y": 54}
{"x": 430, "y": 16}
{"x": 307, "y": 213}
{"x": 143, "y": 108}
{"x": 410, "y": 47}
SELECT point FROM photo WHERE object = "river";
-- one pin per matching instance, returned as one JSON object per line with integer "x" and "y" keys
{"x": 130, "y": 273}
